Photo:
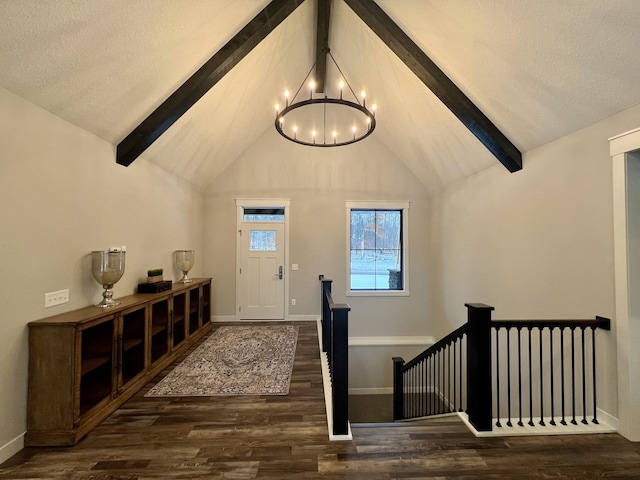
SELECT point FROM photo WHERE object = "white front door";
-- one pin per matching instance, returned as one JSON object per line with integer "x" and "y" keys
{"x": 262, "y": 270}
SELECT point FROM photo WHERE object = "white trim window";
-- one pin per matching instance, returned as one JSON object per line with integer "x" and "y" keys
{"x": 377, "y": 248}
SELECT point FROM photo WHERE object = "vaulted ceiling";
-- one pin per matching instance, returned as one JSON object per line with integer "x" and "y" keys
{"x": 538, "y": 69}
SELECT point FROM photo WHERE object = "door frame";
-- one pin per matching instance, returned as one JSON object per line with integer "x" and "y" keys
{"x": 625, "y": 154}
{"x": 262, "y": 202}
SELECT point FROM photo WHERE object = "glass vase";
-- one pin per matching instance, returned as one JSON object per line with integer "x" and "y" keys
{"x": 184, "y": 261}
{"x": 107, "y": 267}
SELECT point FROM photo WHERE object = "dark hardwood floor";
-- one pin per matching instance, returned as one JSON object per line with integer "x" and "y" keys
{"x": 286, "y": 438}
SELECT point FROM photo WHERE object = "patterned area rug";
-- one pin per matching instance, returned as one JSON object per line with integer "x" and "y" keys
{"x": 235, "y": 360}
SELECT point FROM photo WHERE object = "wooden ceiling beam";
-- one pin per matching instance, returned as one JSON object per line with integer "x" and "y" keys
{"x": 159, "y": 121}
{"x": 322, "y": 43}
{"x": 438, "y": 82}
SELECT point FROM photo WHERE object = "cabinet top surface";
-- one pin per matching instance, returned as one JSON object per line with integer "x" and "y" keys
{"x": 86, "y": 314}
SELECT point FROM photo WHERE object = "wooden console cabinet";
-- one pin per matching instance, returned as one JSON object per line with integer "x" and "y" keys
{"x": 84, "y": 364}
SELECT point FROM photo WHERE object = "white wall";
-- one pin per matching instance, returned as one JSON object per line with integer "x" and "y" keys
{"x": 537, "y": 243}
{"x": 318, "y": 182}
{"x": 62, "y": 195}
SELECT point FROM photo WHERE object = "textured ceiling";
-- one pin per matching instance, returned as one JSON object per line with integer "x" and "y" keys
{"x": 539, "y": 69}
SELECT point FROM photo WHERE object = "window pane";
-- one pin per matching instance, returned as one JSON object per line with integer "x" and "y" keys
{"x": 387, "y": 229}
{"x": 262, "y": 240}
{"x": 263, "y": 214}
{"x": 363, "y": 274}
{"x": 376, "y": 250}
{"x": 363, "y": 229}
{"x": 388, "y": 270}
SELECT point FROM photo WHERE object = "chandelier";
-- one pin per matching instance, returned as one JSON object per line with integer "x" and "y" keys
{"x": 323, "y": 121}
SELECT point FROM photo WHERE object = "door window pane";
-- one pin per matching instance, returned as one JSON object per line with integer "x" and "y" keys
{"x": 262, "y": 241}
{"x": 263, "y": 214}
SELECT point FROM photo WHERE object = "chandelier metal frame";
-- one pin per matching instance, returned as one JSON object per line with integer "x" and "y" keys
{"x": 325, "y": 100}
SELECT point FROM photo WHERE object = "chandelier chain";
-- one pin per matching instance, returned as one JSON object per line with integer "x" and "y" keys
{"x": 303, "y": 82}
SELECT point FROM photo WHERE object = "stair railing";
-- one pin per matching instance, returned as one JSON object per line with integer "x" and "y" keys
{"x": 505, "y": 370}
{"x": 335, "y": 339}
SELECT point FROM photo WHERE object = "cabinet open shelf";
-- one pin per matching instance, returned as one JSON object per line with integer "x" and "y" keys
{"x": 158, "y": 329}
{"x": 131, "y": 343}
{"x": 91, "y": 363}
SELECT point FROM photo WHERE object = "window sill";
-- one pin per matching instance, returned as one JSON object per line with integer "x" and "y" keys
{"x": 378, "y": 293}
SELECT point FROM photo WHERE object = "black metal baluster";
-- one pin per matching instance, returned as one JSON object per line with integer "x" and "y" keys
{"x": 573, "y": 375}
{"x": 584, "y": 383}
{"x": 437, "y": 389}
{"x": 410, "y": 396}
{"x": 530, "y": 382}
{"x": 409, "y": 393}
{"x": 444, "y": 379}
{"x": 434, "y": 389}
{"x": 434, "y": 394}
{"x": 405, "y": 412}
{"x": 563, "y": 421}
{"x": 430, "y": 378}
{"x": 448, "y": 378}
{"x": 593, "y": 356}
{"x": 520, "y": 376}
{"x": 424, "y": 387}
{"x": 455, "y": 398}
{"x": 509, "y": 424}
{"x": 553, "y": 419}
{"x": 409, "y": 390}
{"x": 420, "y": 396}
{"x": 498, "y": 377}
{"x": 416, "y": 393}
{"x": 415, "y": 390}
{"x": 540, "y": 330}
{"x": 461, "y": 366}
{"x": 441, "y": 382}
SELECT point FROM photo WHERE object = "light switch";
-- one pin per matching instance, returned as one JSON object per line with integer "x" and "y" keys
{"x": 294, "y": 266}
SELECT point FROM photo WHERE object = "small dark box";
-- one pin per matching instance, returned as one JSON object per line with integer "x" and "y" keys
{"x": 154, "y": 287}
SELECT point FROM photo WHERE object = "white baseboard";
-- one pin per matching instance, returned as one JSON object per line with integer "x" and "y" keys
{"x": 302, "y": 318}
{"x": 223, "y": 318}
{"x": 12, "y": 447}
{"x": 391, "y": 341}
{"x": 290, "y": 318}
{"x": 371, "y": 391}
{"x": 608, "y": 419}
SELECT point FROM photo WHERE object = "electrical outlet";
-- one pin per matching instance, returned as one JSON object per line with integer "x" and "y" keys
{"x": 52, "y": 299}
{"x": 293, "y": 301}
